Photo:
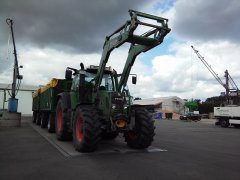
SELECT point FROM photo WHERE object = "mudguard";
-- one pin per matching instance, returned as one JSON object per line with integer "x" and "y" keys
{"x": 65, "y": 96}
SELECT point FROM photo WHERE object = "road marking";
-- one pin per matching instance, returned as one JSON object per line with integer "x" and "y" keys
{"x": 42, "y": 132}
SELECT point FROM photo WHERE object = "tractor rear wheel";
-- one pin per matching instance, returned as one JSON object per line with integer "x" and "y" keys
{"x": 61, "y": 122}
{"x": 142, "y": 134}
{"x": 86, "y": 129}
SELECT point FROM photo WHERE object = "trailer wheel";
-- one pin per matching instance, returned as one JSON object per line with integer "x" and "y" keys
{"x": 38, "y": 120}
{"x": 224, "y": 123}
{"x": 142, "y": 134}
{"x": 34, "y": 116}
{"x": 44, "y": 120}
{"x": 61, "y": 121}
{"x": 86, "y": 129}
{"x": 51, "y": 123}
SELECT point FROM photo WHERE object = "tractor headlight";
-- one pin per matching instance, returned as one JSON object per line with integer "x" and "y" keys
{"x": 114, "y": 106}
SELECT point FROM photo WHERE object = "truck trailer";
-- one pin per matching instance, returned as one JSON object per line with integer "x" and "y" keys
{"x": 228, "y": 115}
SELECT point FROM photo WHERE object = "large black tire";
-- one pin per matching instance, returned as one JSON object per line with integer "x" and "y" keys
{"x": 109, "y": 135}
{"x": 38, "y": 120}
{"x": 34, "y": 117}
{"x": 224, "y": 123}
{"x": 142, "y": 134}
{"x": 236, "y": 125}
{"x": 51, "y": 123}
{"x": 86, "y": 129}
{"x": 61, "y": 121}
{"x": 44, "y": 120}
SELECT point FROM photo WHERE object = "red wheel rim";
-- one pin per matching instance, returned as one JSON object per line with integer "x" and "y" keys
{"x": 78, "y": 129}
{"x": 59, "y": 120}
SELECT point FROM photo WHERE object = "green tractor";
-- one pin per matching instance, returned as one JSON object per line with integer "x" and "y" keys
{"x": 99, "y": 105}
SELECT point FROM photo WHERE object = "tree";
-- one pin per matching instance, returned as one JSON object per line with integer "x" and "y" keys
{"x": 211, "y": 102}
{"x": 206, "y": 107}
{"x": 216, "y": 100}
{"x": 192, "y": 105}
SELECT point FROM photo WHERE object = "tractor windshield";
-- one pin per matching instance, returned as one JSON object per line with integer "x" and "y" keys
{"x": 106, "y": 84}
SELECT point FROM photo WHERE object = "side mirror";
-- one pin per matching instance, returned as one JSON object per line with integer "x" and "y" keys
{"x": 68, "y": 74}
{"x": 134, "y": 79}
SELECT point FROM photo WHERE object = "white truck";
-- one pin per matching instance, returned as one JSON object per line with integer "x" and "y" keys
{"x": 228, "y": 115}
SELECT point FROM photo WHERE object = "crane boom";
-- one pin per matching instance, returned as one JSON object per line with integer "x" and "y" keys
{"x": 209, "y": 67}
{"x": 229, "y": 79}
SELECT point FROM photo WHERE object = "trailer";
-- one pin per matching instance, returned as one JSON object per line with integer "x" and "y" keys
{"x": 45, "y": 102}
{"x": 226, "y": 116}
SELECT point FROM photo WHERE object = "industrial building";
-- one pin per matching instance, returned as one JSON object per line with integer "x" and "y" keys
{"x": 170, "y": 104}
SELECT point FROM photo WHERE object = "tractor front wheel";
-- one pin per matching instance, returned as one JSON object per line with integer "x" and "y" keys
{"x": 142, "y": 134}
{"x": 86, "y": 129}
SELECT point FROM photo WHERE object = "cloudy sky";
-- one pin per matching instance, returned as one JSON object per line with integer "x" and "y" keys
{"x": 53, "y": 34}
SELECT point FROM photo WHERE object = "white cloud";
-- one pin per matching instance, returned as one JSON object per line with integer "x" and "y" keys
{"x": 207, "y": 20}
{"x": 184, "y": 75}
{"x": 181, "y": 73}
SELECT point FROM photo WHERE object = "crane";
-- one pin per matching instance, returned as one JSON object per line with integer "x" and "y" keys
{"x": 12, "y": 102}
{"x": 230, "y": 91}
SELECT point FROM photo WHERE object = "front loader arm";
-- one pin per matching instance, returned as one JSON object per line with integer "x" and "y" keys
{"x": 139, "y": 43}
{"x": 134, "y": 51}
{"x": 108, "y": 47}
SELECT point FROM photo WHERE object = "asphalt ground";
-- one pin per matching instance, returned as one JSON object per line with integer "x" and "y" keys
{"x": 181, "y": 150}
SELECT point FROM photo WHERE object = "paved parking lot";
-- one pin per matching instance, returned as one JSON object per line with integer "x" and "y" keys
{"x": 181, "y": 150}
